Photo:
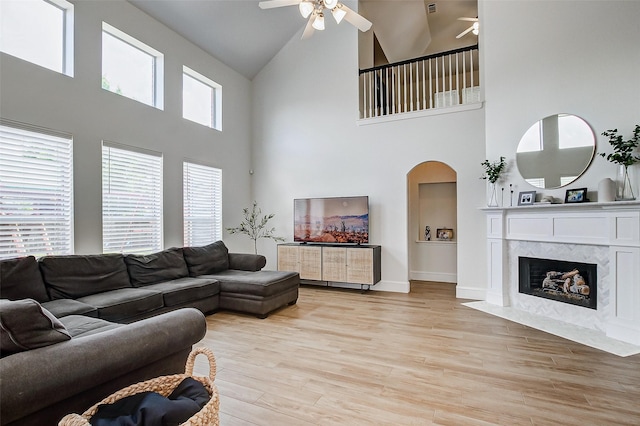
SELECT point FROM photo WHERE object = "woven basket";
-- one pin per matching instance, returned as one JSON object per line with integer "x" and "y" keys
{"x": 164, "y": 385}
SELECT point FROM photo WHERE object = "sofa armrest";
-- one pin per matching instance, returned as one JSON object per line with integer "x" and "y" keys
{"x": 246, "y": 261}
{"x": 38, "y": 378}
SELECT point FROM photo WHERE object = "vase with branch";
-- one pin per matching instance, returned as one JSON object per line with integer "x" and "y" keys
{"x": 255, "y": 226}
{"x": 624, "y": 155}
{"x": 492, "y": 173}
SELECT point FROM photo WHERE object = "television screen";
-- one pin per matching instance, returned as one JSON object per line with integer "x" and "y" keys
{"x": 338, "y": 220}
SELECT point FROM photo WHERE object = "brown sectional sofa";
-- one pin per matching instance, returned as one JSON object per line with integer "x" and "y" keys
{"x": 110, "y": 320}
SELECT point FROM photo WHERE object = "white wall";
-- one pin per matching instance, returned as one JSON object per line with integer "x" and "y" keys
{"x": 79, "y": 106}
{"x": 563, "y": 57}
{"x": 544, "y": 58}
{"x": 307, "y": 143}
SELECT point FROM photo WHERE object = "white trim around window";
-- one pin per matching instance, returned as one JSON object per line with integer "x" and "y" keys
{"x": 201, "y": 99}
{"x": 40, "y": 32}
{"x": 125, "y": 57}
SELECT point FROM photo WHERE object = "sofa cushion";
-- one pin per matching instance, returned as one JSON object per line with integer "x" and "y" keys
{"x": 261, "y": 283}
{"x": 74, "y": 276}
{"x": 183, "y": 290}
{"x": 63, "y": 307}
{"x": 81, "y": 326}
{"x": 154, "y": 268}
{"x": 20, "y": 278}
{"x": 121, "y": 304}
{"x": 25, "y": 325}
{"x": 207, "y": 259}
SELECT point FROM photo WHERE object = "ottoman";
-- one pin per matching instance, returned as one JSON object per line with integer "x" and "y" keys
{"x": 256, "y": 292}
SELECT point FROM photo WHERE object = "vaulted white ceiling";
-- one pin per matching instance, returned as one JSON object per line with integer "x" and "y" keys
{"x": 246, "y": 38}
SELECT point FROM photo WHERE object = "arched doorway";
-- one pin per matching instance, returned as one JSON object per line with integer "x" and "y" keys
{"x": 432, "y": 199}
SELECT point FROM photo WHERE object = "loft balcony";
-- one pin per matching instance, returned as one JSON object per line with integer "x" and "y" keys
{"x": 428, "y": 83}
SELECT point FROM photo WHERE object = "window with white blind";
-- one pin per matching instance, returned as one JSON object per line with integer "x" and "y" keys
{"x": 36, "y": 191}
{"x": 131, "y": 200}
{"x": 202, "y": 204}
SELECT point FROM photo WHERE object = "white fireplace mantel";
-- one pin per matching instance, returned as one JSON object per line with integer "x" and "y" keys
{"x": 607, "y": 234}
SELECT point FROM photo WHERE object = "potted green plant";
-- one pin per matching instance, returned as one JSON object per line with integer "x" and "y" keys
{"x": 254, "y": 225}
{"x": 623, "y": 156}
{"x": 492, "y": 172}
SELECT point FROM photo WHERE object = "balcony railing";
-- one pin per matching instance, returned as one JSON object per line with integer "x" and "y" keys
{"x": 434, "y": 81}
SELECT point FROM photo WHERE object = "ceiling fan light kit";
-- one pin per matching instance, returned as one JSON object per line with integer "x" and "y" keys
{"x": 314, "y": 11}
{"x": 306, "y": 7}
{"x": 473, "y": 29}
{"x": 338, "y": 13}
{"x": 318, "y": 23}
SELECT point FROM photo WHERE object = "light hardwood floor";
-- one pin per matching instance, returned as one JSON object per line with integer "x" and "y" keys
{"x": 348, "y": 358}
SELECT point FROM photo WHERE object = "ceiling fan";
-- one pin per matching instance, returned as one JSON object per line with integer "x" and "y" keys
{"x": 474, "y": 28}
{"x": 314, "y": 10}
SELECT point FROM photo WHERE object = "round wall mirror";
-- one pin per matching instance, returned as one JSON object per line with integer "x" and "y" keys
{"x": 555, "y": 151}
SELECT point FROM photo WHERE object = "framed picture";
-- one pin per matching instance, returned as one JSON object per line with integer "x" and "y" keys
{"x": 444, "y": 234}
{"x": 576, "y": 195}
{"x": 526, "y": 198}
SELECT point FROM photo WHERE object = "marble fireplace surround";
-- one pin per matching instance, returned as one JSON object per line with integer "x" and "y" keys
{"x": 606, "y": 234}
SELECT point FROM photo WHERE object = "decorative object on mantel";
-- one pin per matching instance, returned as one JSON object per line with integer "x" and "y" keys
{"x": 623, "y": 156}
{"x": 511, "y": 196}
{"x": 427, "y": 233}
{"x": 526, "y": 198}
{"x": 492, "y": 172}
{"x": 606, "y": 190}
{"x": 576, "y": 196}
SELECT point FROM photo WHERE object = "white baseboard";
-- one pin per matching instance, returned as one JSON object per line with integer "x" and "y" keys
{"x": 393, "y": 286}
{"x": 440, "y": 277}
{"x": 472, "y": 293}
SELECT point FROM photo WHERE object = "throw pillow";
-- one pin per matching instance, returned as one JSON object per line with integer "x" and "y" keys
{"x": 25, "y": 325}
{"x": 20, "y": 279}
{"x": 208, "y": 259}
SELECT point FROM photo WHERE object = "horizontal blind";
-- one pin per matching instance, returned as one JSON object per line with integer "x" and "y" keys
{"x": 202, "y": 204}
{"x": 131, "y": 200}
{"x": 36, "y": 192}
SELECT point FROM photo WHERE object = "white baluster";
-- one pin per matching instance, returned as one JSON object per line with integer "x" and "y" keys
{"x": 450, "y": 82}
{"x": 424, "y": 87}
{"x": 471, "y": 60}
{"x": 430, "y": 86}
{"x": 457, "y": 79}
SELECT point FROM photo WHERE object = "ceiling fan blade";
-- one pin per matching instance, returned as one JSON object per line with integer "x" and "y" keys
{"x": 308, "y": 30}
{"x": 270, "y": 4}
{"x": 468, "y": 19}
{"x": 462, "y": 34}
{"x": 356, "y": 20}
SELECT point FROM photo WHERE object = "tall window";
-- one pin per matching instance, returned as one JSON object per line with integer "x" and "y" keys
{"x": 201, "y": 99}
{"x": 36, "y": 192}
{"x": 202, "y": 204}
{"x": 38, "y": 31}
{"x": 131, "y": 200}
{"x": 131, "y": 68}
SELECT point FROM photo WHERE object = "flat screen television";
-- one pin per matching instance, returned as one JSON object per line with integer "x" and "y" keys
{"x": 335, "y": 220}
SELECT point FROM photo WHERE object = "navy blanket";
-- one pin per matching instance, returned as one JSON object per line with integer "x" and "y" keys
{"x": 153, "y": 409}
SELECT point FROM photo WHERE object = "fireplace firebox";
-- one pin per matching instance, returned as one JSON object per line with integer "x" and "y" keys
{"x": 564, "y": 281}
